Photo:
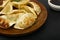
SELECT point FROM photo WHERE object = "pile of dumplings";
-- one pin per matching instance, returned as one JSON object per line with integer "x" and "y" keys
{"x": 20, "y": 13}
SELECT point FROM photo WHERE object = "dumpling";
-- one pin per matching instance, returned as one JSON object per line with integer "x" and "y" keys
{"x": 35, "y": 6}
{"x": 18, "y": 3}
{"x": 12, "y": 18}
{"x": 3, "y": 3}
{"x": 25, "y": 21}
{"x": 29, "y": 10}
{"x": 7, "y": 9}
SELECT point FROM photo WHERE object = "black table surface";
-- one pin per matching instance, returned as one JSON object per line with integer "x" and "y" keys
{"x": 49, "y": 31}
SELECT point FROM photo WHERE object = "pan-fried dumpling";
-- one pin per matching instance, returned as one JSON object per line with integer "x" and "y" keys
{"x": 35, "y": 6}
{"x": 29, "y": 10}
{"x": 12, "y": 18}
{"x": 18, "y": 3}
{"x": 4, "y": 2}
{"x": 7, "y": 9}
{"x": 25, "y": 21}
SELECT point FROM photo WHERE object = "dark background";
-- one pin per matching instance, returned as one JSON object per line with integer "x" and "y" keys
{"x": 49, "y": 31}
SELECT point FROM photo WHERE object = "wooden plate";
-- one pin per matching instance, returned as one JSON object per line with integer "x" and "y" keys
{"x": 40, "y": 21}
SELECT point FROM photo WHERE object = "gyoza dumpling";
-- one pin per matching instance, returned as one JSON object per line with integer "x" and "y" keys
{"x": 28, "y": 9}
{"x": 18, "y": 3}
{"x": 11, "y": 18}
{"x": 7, "y": 9}
{"x": 3, "y": 3}
{"x": 35, "y": 6}
{"x": 25, "y": 21}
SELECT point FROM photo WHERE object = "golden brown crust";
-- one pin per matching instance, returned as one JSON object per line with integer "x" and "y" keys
{"x": 4, "y": 23}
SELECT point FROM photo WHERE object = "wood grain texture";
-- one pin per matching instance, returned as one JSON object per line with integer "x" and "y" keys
{"x": 40, "y": 21}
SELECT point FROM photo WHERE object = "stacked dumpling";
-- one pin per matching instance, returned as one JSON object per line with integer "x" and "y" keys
{"x": 22, "y": 13}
